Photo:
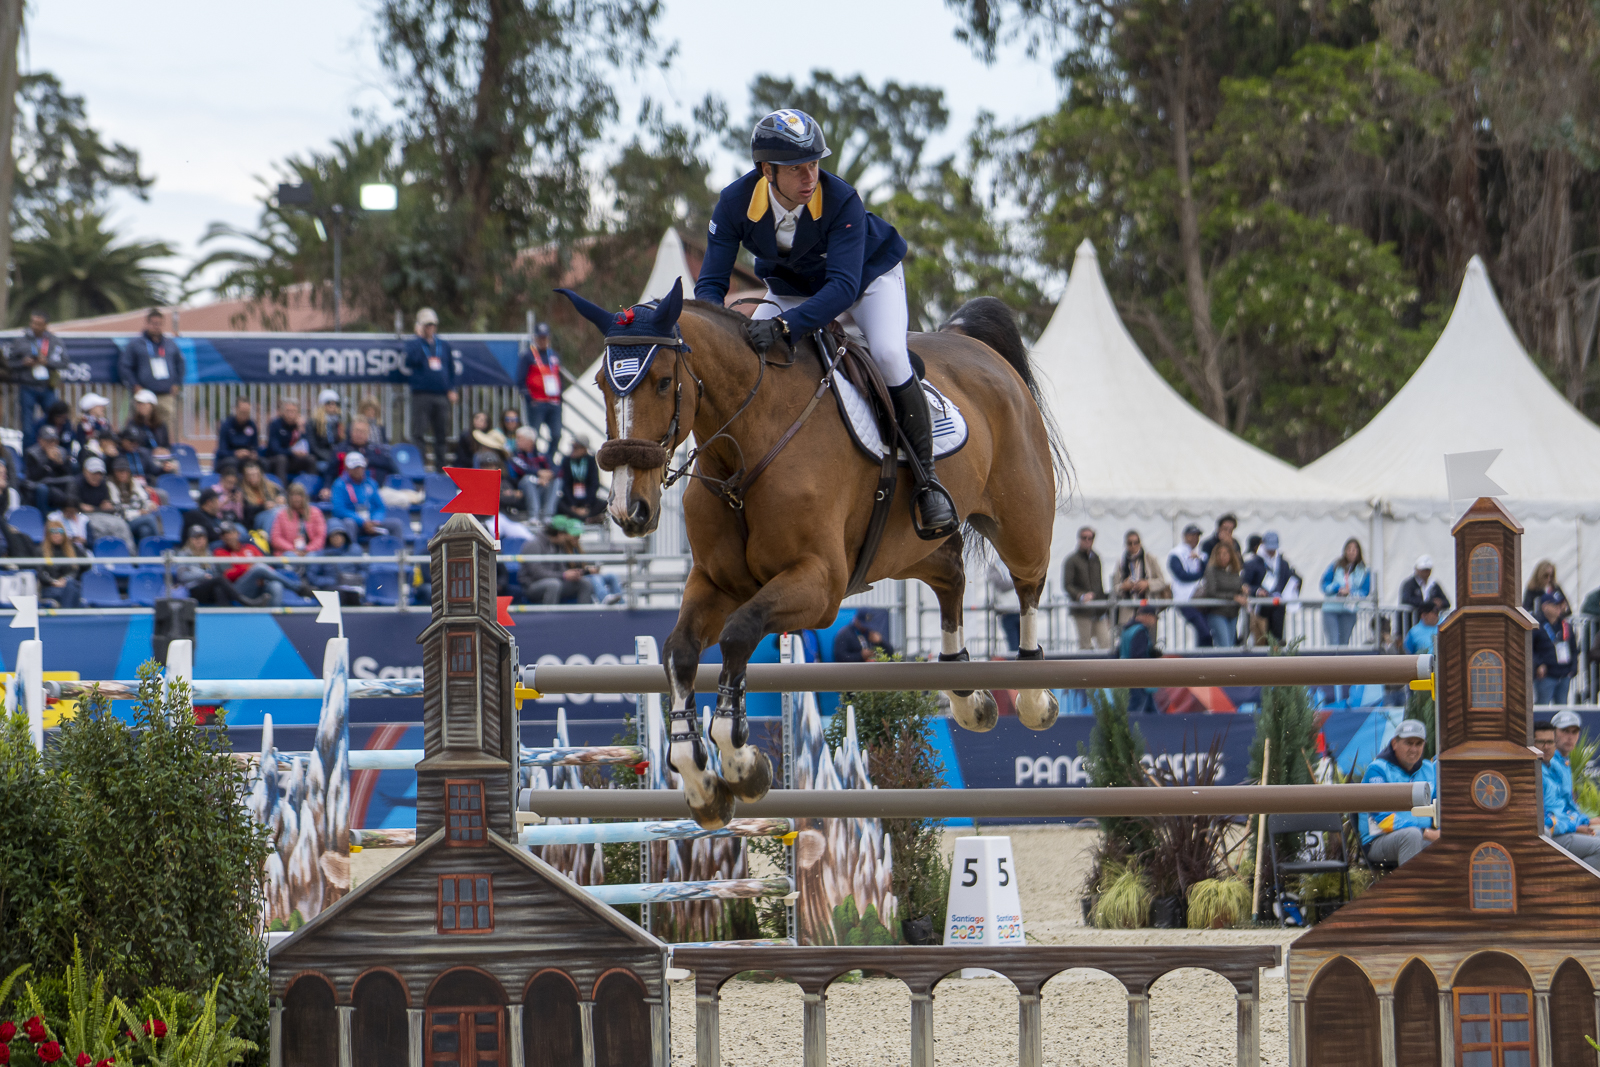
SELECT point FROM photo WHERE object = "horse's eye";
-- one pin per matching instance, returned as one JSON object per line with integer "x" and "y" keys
{"x": 663, "y": 385}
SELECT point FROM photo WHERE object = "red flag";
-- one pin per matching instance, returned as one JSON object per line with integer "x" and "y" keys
{"x": 502, "y": 614}
{"x": 480, "y": 491}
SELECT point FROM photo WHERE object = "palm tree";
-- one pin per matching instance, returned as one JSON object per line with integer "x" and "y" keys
{"x": 72, "y": 266}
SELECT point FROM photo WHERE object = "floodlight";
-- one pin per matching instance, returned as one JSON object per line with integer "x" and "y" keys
{"x": 379, "y": 197}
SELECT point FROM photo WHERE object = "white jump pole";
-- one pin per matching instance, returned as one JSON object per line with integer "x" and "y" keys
{"x": 29, "y": 676}
{"x": 333, "y": 728}
{"x": 180, "y": 665}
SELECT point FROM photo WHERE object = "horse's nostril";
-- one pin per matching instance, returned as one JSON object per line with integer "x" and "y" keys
{"x": 640, "y": 512}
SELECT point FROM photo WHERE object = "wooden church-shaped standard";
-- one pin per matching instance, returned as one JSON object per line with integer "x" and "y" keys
{"x": 468, "y": 951}
{"x": 1485, "y": 947}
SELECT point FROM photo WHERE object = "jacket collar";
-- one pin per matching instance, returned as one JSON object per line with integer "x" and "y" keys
{"x": 761, "y": 202}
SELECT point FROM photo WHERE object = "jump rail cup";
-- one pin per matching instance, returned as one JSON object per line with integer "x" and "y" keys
{"x": 992, "y": 803}
{"x": 999, "y": 674}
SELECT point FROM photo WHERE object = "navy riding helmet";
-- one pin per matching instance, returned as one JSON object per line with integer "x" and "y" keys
{"x": 788, "y": 137}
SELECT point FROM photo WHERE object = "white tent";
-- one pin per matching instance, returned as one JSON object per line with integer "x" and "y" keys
{"x": 1478, "y": 390}
{"x": 1143, "y": 457}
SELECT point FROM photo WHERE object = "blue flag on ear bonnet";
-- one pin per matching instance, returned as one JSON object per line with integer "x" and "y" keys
{"x": 633, "y": 336}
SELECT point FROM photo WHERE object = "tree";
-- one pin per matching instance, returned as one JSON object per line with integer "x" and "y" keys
{"x": 61, "y": 159}
{"x": 70, "y": 265}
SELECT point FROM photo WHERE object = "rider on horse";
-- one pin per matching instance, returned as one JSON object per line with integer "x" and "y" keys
{"x": 823, "y": 253}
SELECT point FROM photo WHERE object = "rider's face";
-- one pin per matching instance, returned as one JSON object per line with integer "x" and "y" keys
{"x": 795, "y": 183}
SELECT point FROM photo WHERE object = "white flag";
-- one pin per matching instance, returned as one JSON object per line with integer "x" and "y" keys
{"x": 1467, "y": 474}
{"x": 330, "y": 613}
{"x": 27, "y": 617}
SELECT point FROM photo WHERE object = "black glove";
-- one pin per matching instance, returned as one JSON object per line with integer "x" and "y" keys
{"x": 764, "y": 333}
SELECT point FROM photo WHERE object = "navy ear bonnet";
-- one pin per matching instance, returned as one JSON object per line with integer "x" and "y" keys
{"x": 634, "y": 336}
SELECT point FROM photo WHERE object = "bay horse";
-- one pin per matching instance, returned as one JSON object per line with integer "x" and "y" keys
{"x": 776, "y": 554}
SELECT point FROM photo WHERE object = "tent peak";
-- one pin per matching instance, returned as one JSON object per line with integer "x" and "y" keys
{"x": 1086, "y": 250}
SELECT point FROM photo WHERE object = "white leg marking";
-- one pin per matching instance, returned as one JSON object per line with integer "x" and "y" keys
{"x": 1037, "y": 708}
{"x": 952, "y": 641}
{"x": 1028, "y": 628}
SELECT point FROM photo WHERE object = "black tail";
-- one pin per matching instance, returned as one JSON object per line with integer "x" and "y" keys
{"x": 990, "y": 320}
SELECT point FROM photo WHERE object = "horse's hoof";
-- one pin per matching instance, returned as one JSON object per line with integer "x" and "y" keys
{"x": 976, "y": 711}
{"x": 712, "y": 809}
{"x": 748, "y": 774}
{"x": 1038, "y": 708}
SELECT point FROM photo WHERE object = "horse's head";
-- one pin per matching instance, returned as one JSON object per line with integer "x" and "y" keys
{"x": 650, "y": 402}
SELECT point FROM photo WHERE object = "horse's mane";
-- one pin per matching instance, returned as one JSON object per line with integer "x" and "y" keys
{"x": 725, "y": 317}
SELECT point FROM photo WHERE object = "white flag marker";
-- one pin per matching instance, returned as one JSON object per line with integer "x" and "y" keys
{"x": 1467, "y": 474}
{"x": 331, "y": 612}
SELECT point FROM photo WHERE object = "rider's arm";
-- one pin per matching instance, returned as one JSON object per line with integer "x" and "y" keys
{"x": 847, "y": 247}
{"x": 722, "y": 251}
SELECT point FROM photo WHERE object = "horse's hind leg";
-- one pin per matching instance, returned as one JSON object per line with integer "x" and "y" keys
{"x": 1037, "y": 708}
{"x": 945, "y": 573}
{"x": 702, "y": 614}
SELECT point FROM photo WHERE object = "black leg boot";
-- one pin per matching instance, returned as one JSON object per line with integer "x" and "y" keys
{"x": 933, "y": 513}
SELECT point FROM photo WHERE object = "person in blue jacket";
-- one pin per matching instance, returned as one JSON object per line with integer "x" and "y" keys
{"x": 1396, "y": 836}
{"x": 1138, "y": 641}
{"x": 1345, "y": 581}
{"x": 356, "y": 501}
{"x": 431, "y": 376}
{"x": 822, "y": 253}
{"x": 1570, "y": 828}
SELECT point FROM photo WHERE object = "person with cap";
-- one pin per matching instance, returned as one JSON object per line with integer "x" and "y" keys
{"x": 153, "y": 362}
{"x": 35, "y": 360}
{"x": 1083, "y": 579}
{"x": 94, "y": 498}
{"x": 1424, "y": 632}
{"x": 92, "y": 420}
{"x": 580, "y": 484}
{"x": 208, "y": 515}
{"x": 550, "y": 581}
{"x": 430, "y": 368}
{"x": 1563, "y": 821}
{"x": 358, "y": 503}
{"x": 1345, "y": 581}
{"x": 822, "y": 253}
{"x": 1186, "y": 569}
{"x": 327, "y": 431}
{"x": 202, "y": 580}
{"x": 288, "y": 447}
{"x": 1395, "y": 836}
{"x": 1138, "y": 641}
{"x": 1420, "y": 588}
{"x": 237, "y": 435}
{"x": 1555, "y": 650}
{"x": 149, "y": 427}
{"x": 862, "y": 639}
{"x": 539, "y": 375}
{"x": 1269, "y": 575}
{"x": 48, "y": 471}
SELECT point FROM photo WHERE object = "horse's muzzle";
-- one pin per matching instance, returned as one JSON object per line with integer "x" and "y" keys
{"x": 639, "y": 520}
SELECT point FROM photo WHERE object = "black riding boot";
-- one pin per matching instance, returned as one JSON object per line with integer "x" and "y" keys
{"x": 933, "y": 513}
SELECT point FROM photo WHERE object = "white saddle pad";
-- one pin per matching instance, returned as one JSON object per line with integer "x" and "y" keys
{"x": 949, "y": 427}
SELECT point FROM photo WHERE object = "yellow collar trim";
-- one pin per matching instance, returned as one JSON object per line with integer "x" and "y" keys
{"x": 761, "y": 201}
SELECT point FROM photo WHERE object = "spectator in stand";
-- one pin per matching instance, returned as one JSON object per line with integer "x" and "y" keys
{"x": 1347, "y": 579}
{"x": 327, "y": 433}
{"x": 1421, "y": 588}
{"x": 1555, "y": 650}
{"x": 539, "y": 375}
{"x": 49, "y": 471}
{"x": 533, "y": 476}
{"x": 1223, "y": 582}
{"x": 510, "y": 423}
{"x": 60, "y": 582}
{"x": 861, "y": 640}
{"x": 94, "y": 497}
{"x": 340, "y": 574}
{"x": 77, "y": 523}
{"x": 59, "y": 419}
{"x": 148, "y": 423}
{"x": 358, "y": 503}
{"x": 372, "y": 411}
{"x": 92, "y": 420}
{"x": 580, "y": 484}
{"x": 1083, "y": 579}
{"x": 256, "y": 585}
{"x": 467, "y": 444}
{"x": 288, "y": 448}
{"x": 1396, "y": 836}
{"x": 257, "y": 493}
{"x": 1226, "y": 525}
{"x": 230, "y": 488}
{"x": 299, "y": 529}
{"x": 1007, "y": 605}
{"x": 1137, "y": 576}
{"x": 153, "y": 362}
{"x": 1420, "y": 638}
{"x": 1541, "y": 584}
{"x": 1138, "y": 641}
{"x": 36, "y": 359}
{"x": 433, "y": 387}
{"x": 203, "y": 582}
{"x": 10, "y": 499}
{"x": 128, "y": 448}
{"x": 132, "y": 501}
{"x": 237, "y": 436}
{"x": 208, "y": 516}
{"x": 550, "y": 582}
{"x": 1269, "y": 575}
{"x": 1186, "y": 565}
{"x": 1566, "y": 824}
{"x": 379, "y": 462}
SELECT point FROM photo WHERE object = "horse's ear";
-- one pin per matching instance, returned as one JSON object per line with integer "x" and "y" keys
{"x": 670, "y": 308}
{"x": 603, "y": 320}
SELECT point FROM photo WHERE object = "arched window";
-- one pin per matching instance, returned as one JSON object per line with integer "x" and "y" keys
{"x": 1483, "y": 571}
{"x": 310, "y": 1023}
{"x": 1486, "y": 680}
{"x": 380, "y": 1034}
{"x": 1494, "y": 880}
{"x": 621, "y": 1021}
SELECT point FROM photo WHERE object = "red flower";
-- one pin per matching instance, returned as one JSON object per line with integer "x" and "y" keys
{"x": 158, "y": 1027}
{"x": 8, "y": 1030}
{"x": 5, "y": 1053}
{"x": 35, "y": 1030}
{"x": 107, "y": 1062}
{"x": 50, "y": 1052}
{"x": 83, "y": 1060}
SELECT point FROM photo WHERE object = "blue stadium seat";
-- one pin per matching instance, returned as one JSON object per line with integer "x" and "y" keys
{"x": 383, "y": 587}
{"x": 292, "y": 599}
{"x": 273, "y": 478}
{"x": 28, "y": 520}
{"x": 100, "y": 590}
{"x": 114, "y": 548}
{"x": 438, "y": 490}
{"x": 188, "y": 460}
{"x": 154, "y": 546}
{"x": 146, "y": 587}
{"x": 176, "y": 486}
{"x": 171, "y": 522}
{"x": 409, "y": 461}
{"x": 383, "y": 545}
{"x": 432, "y": 519}
{"x": 208, "y": 480}
{"x": 312, "y": 483}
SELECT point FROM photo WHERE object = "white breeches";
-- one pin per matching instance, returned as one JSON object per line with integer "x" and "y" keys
{"x": 881, "y": 317}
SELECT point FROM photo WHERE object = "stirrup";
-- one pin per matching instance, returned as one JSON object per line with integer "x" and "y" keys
{"x": 942, "y": 530}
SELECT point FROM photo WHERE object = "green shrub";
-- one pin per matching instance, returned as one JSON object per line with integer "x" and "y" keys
{"x": 1114, "y": 758}
{"x": 1218, "y": 902}
{"x": 1124, "y": 902}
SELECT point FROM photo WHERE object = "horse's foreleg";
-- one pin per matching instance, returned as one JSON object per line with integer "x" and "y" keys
{"x": 1037, "y": 708}
{"x": 945, "y": 573}
{"x": 704, "y": 608}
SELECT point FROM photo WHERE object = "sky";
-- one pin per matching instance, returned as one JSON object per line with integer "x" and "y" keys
{"x": 213, "y": 95}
